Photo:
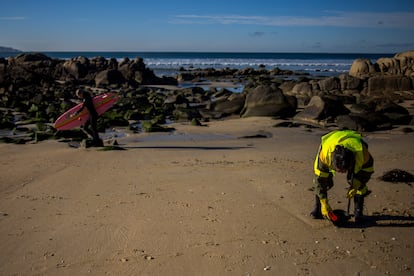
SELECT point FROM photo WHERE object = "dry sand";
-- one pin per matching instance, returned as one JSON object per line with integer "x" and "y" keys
{"x": 199, "y": 201}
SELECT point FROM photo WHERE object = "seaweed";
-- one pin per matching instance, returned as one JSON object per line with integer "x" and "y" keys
{"x": 397, "y": 175}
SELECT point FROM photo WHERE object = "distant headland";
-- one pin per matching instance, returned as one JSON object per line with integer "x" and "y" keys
{"x": 8, "y": 50}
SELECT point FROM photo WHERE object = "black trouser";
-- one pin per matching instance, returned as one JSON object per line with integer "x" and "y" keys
{"x": 92, "y": 128}
{"x": 322, "y": 185}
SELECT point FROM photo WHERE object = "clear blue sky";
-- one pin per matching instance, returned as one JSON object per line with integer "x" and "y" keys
{"x": 377, "y": 26}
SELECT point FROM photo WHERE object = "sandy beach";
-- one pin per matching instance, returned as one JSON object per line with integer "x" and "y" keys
{"x": 230, "y": 198}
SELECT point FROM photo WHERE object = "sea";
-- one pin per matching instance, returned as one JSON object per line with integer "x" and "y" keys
{"x": 170, "y": 63}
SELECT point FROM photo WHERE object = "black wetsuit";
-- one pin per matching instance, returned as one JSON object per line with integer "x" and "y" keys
{"x": 91, "y": 123}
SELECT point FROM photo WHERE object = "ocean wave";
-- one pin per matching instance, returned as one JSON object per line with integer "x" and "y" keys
{"x": 167, "y": 66}
{"x": 244, "y": 62}
{"x": 169, "y": 63}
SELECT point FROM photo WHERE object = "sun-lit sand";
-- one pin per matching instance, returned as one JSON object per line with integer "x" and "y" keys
{"x": 198, "y": 201}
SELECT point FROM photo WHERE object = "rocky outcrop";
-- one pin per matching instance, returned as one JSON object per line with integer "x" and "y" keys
{"x": 372, "y": 91}
{"x": 35, "y": 68}
{"x": 374, "y": 114}
{"x": 400, "y": 64}
{"x": 386, "y": 74}
{"x": 36, "y": 89}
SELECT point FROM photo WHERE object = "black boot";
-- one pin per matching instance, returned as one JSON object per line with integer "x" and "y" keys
{"x": 98, "y": 142}
{"x": 316, "y": 213}
{"x": 359, "y": 208}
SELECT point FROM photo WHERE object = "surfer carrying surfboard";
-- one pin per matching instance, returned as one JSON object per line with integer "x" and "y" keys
{"x": 91, "y": 124}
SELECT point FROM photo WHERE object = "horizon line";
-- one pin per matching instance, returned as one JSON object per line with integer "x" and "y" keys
{"x": 199, "y": 51}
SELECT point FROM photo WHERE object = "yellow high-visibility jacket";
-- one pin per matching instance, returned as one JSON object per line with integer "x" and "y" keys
{"x": 350, "y": 140}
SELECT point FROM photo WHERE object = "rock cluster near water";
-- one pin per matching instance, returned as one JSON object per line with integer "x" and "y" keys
{"x": 36, "y": 89}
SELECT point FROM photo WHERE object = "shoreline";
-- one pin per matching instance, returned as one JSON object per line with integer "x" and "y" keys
{"x": 200, "y": 95}
{"x": 169, "y": 63}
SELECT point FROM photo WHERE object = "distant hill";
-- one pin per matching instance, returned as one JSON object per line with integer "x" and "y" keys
{"x": 8, "y": 50}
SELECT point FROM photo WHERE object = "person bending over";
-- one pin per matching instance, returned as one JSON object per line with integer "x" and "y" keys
{"x": 342, "y": 151}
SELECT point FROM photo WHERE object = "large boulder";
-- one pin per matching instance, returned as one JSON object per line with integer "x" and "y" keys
{"x": 268, "y": 101}
{"x": 30, "y": 57}
{"x": 406, "y": 54}
{"x": 400, "y": 64}
{"x": 367, "y": 121}
{"x": 132, "y": 70}
{"x": 231, "y": 105}
{"x": 322, "y": 107}
{"x": 303, "y": 89}
{"x": 374, "y": 114}
{"x": 389, "y": 66}
{"x": 396, "y": 114}
{"x": 382, "y": 84}
{"x": 109, "y": 77}
{"x": 348, "y": 82}
{"x": 29, "y": 69}
{"x": 76, "y": 68}
{"x": 361, "y": 68}
{"x": 330, "y": 84}
{"x": 406, "y": 60}
{"x": 98, "y": 63}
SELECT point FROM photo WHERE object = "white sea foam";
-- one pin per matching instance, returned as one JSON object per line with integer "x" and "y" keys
{"x": 310, "y": 66}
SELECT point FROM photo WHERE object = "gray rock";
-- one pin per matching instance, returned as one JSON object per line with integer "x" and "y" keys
{"x": 302, "y": 88}
{"x": 348, "y": 82}
{"x": 383, "y": 84}
{"x": 321, "y": 108}
{"x": 361, "y": 68}
{"x": 231, "y": 105}
{"x": 329, "y": 84}
{"x": 269, "y": 101}
{"x": 109, "y": 77}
